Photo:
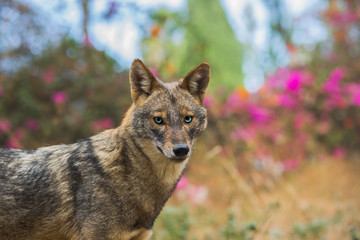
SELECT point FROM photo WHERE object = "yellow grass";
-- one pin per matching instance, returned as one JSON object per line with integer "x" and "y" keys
{"x": 321, "y": 200}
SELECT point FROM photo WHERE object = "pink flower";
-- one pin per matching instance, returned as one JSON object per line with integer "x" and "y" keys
{"x": 32, "y": 124}
{"x": 154, "y": 72}
{"x": 331, "y": 85}
{"x": 277, "y": 80}
{"x": 59, "y": 97}
{"x": 233, "y": 101}
{"x": 4, "y": 125}
{"x": 291, "y": 164}
{"x": 353, "y": 90}
{"x": 194, "y": 193}
{"x": 208, "y": 102}
{"x": 49, "y": 75}
{"x": 356, "y": 99}
{"x": 258, "y": 114}
{"x": 289, "y": 79}
{"x": 340, "y": 19}
{"x": 15, "y": 139}
{"x": 336, "y": 100}
{"x": 333, "y": 90}
{"x": 293, "y": 82}
{"x": 87, "y": 41}
{"x": 12, "y": 143}
{"x": 18, "y": 134}
{"x": 299, "y": 121}
{"x": 287, "y": 101}
{"x": 183, "y": 183}
{"x": 337, "y": 73}
{"x": 102, "y": 124}
{"x": 339, "y": 152}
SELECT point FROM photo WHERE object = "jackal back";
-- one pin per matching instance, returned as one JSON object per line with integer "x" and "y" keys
{"x": 112, "y": 185}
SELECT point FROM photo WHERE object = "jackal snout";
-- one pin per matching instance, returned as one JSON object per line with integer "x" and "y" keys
{"x": 179, "y": 145}
{"x": 181, "y": 150}
{"x": 176, "y": 152}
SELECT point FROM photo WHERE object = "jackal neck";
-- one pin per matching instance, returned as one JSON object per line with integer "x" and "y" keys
{"x": 133, "y": 163}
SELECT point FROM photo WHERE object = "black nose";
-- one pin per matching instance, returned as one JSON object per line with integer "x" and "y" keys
{"x": 181, "y": 150}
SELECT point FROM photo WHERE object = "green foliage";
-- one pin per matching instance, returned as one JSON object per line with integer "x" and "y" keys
{"x": 210, "y": 38}
{"x": 311, "y": 230}
{"x": 70, "y": 92}
{"x": 180, "y": 41}
{"x": 232, "y": 231}
{"x": 354, "y": 233}
{"x": 173, "y": 224}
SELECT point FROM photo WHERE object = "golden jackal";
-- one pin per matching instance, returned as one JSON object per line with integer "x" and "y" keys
{"x": 112, "y": 185}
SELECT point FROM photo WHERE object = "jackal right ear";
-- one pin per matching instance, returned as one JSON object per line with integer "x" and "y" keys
{"x": 197, "y": 80}
{"x": 142, "y": 81}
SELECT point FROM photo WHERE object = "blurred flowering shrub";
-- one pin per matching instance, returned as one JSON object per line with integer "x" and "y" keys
{"x": 293, "y": 115}
{"x": 71, "y": 92}
{"x": 311, "y": 108}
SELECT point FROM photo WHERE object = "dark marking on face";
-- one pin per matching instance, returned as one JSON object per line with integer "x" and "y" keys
{"x": 174, "y": 116}
{"x": 178, "y": 136}
{"x": 160, "y": 150}
{"x": 172, "y": 98}
{"x": 192, "y": 132}
{"x": 178, "y": 140}
{"x": 138, "y": 123}
{"x": 158, "y": 134}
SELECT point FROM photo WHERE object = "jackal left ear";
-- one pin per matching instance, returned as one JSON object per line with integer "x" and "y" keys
{"x": 142, "y": 81}
{"x": 197, "y": 80}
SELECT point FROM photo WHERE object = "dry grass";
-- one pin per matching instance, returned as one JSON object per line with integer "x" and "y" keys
{"x": 319, "y": 201}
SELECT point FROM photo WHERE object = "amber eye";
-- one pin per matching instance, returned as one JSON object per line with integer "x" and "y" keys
{"x": 158, "y": 120}
{"x": 188, "y": 119}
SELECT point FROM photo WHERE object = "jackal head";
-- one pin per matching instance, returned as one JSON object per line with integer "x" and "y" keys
{"x": 168, "y": 116}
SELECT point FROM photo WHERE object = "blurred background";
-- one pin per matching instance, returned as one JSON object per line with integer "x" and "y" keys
{"x": 280, "y": 157}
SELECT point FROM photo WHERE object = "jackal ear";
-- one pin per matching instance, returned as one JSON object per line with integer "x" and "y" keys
{"x": 142, "y": 81}
{"x": 197, "y": 80}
